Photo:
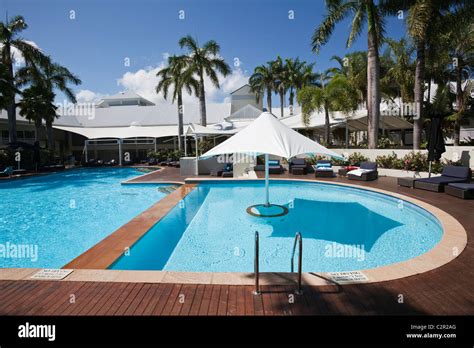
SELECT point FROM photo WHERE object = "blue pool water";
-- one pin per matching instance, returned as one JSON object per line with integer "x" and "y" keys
{"x": 66, "y": 213}
{"x": 343, "y": 229}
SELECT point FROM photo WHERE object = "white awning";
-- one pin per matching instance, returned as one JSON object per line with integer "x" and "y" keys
{"x": 196, "y": 129}
{"x": 123, "y": 132}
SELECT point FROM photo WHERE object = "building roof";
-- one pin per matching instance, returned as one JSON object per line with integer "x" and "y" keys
{"x": 124, "y": 97}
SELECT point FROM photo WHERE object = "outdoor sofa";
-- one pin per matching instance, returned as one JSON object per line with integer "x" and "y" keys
{"x": 323, "y": 169}
{"x": 297, "y": 165}
{"x": 366, "y": 172}
{"x": 450, "y": 175}
{"x": 460, "y": 190}
{"x": 274, "y": 167}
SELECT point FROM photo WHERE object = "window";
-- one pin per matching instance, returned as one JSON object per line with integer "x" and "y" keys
{"x": 5, "y": 134}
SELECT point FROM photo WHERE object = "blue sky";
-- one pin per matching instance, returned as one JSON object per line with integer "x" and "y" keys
{"x": 104, "y": 33}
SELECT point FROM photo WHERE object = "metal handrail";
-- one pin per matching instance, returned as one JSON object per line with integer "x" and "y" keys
{"x": 256, "y": 265}
{"x": 299, "y": 241}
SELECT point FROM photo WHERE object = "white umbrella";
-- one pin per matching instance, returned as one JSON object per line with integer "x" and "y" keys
{"x": 267, "y": 135}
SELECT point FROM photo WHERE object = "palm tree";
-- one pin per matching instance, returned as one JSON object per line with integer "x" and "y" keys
{"x": 4, "y": 86}
{"x": 262, "y": 81}
{"x": 401, "y": 70}
{"x": 36, "y": 104}
{"x": 361, "y": 11}
{"x": 202, "y": 61}
{"x": 461, "y": 51}
{"x": 424, "y": 23}
{"x": 354, "y": 67}
{"x": 333, "y": 93}
{"x": 294, "y": 71}
{"x": 280, "y": 74}
{"x": 177, "y": 75}
{"x": 50, "y": 77}
{"x": 315, "y": 97}
{"x": 9, "y": 39}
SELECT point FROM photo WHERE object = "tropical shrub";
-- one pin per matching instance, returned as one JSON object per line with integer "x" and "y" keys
{"x": 389, "y": 161}
{"x": 415, "y": 161}
{"x": 356, "y": 158}
{"x": 6, "y": 158}
{"x": 385, "y": 143}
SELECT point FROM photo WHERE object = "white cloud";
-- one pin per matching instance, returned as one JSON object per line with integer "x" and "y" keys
{"x": 87, "y": 96}
{"x": 144, "y": 81}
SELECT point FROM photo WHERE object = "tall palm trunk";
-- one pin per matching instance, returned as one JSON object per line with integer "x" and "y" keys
{"x": 11, "y": 106}
{"x": 291, "y": 99}
{"x": 419, "y": 90}
{"x": 202, "y": 100}
{"x": 282, "y": 102}
{"x": 180, "y": 120}
{"x": 373, "y": 90}
{"x": 50, "y": 136}
{"x": 327, "y": 126}
{"x": 459, "y": 103}
{"x": 269, "y": 99}
{"x": 37, "y": 129}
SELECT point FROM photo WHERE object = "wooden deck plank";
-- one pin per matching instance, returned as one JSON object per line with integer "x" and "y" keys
{"x": 158, "y": 309}
{"x": 138, "y": 299}
{"x": 173, "y": 298}
{"x": 206, "y": 300}
{"x": 189, "y": 291}
{"x": 155, "y": 297}
{"x": 110, "y": 298}
{"x": 223, "y": 300}
{"x": 197, "y": 300}
{"x": 129, "y": 299}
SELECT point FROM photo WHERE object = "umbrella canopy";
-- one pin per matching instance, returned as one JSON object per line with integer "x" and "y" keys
{"x": 267, "y": 135}
{"x": 436, "y": 140}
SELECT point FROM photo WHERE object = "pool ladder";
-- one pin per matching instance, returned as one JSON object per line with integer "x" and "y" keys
{"x": 298, "y": 242}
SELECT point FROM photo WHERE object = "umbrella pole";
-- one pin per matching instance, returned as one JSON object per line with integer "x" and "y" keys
{"x": 267, "y": 191}
{"x": 429, "y": 170}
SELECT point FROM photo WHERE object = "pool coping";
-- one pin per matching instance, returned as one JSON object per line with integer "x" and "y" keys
{"x": 90, "y": 266}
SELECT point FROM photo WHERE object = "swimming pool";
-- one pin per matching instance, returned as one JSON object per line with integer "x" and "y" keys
{"x": 47, "y": 221}
{"x": 343, "y": 229}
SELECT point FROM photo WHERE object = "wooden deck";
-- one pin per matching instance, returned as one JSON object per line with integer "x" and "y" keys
{"x": 444, "y": 291}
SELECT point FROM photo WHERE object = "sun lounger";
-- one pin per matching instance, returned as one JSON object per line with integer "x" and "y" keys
{"x": 450, "y": 175}
{"x": 274, "y": 167}
{"x": 297, "y": 165}
{"x": 366, "y": 172}
{"x": 323, "y": 169}
{"x": 460, "y": 190}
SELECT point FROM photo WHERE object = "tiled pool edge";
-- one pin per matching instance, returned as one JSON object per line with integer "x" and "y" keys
{"x": 108, "y": 250}
{"x": 453, "y": 242}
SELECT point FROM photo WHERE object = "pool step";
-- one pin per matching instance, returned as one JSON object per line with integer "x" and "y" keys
{"x": 167, "y": 189}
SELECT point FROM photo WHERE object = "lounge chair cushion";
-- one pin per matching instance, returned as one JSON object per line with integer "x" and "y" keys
{"x": 368, "y": 165}
{"x": 323, "y": 165}
{"x": 441, "y": 180}
{"x": 273, "y": 163}
{"x": 463, "y": 186}
{"x": 298, "y": 162}
{"x": 457, "y": 172}
{"x": 359, "y": 172}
